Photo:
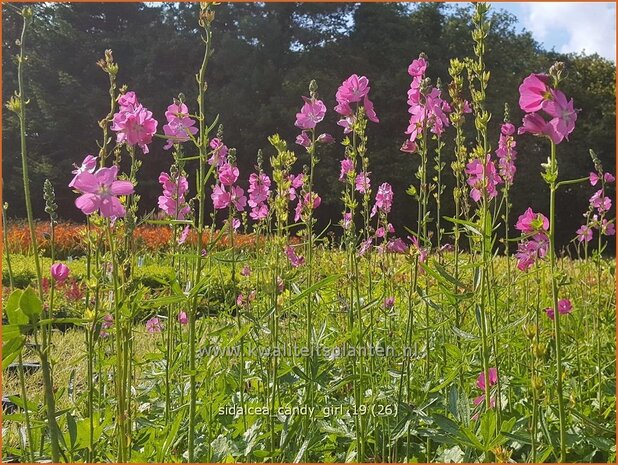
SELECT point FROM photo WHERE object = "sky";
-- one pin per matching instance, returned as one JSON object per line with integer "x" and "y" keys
{"x": 568, "y": 26}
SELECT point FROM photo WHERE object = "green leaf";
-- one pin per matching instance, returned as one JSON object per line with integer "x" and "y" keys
{"x": 10, "y": 350}
{"x": 14, "y": 314}
{"x": 30, "y": 304}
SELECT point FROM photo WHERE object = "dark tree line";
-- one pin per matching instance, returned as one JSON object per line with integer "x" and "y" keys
{"x": 265, "y": 56}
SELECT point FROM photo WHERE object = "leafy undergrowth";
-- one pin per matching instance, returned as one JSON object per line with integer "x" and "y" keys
{"x": 435, "y": 419}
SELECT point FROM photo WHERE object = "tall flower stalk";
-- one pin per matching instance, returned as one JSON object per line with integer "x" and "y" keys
{"x": 17, "y": 104}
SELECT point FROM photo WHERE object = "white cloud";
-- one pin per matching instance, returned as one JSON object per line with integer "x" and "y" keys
{"x": 589, "y": 27}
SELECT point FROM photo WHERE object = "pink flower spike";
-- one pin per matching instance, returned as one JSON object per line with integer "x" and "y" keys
{"x": 60, "y": 272}
{"x": 183, "y": 319}
{"x": 389, "y": 303}
{"x": 550, "y": 313}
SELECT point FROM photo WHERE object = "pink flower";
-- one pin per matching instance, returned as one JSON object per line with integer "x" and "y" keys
{"x": 530, "y": 222}
{"x": 534, "y": 124}
{"x": 417, "y": 67}
{"x": 600, "y": 201}
{"x": 584, "y": 233}
{"x": 397, "y": 246}
{"x": 183, "y": 319}
{"x": 363, "y": 184}
{"x": 409, "y": 146}
{"x": 219, "y": 152}
{"x": 134, "y": 123}
{"x": 311, "y": 113}
{"x": 564, "y": 306}
{"x": 325, "y": 138}
{"x": 482, "y": 177}
{"x": 183, "y": 235}
{"x": 306, "y": 204}
{"x": 259, "y": 212}
{"x": 238, "y": 198}
{"x": 228, "y": 174}
{"x": 353, "y": 89}
{"x": 369, "y": 111}
{"x": 607, "y": 177}
{"x": 220, "y": 197}
{"x": 128, "y": 101}
{"x": 389, "y": 303}
{"x": 88, "y": 166}
{"x": 534, "y": 91}
{"x": 347, "y": 167}
{"x": 296, "y": 182}
{"x": 153, "y": 325}
{"x": 303, "y": 139}
{"x": 259, "y": 188}
{"x": 493, "y": 378}
{"x": 246, "y": 271}
{"x": 384, "y": 199}
{"x": 365, "y": 246}
{"x": 240, "y": 300}
{"x": 346, "y": 222}
{"x": 294, "y": 259}
{"x": 60, "y": 272}
{"x": 108, "y": 322}
{"x": 529, "y": 251}
{"x": 100, "y": 191}
{"x": 179, "y": 125}
{"x": 608, "y": 228}
{"x": 347, "y": 124}
{"x": 563, "y": 113}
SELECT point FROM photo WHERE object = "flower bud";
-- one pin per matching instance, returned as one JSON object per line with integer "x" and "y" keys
{"x": 60, "y": 272}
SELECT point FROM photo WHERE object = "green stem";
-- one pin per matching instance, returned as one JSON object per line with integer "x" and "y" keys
{"x": 554, "y": 288}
